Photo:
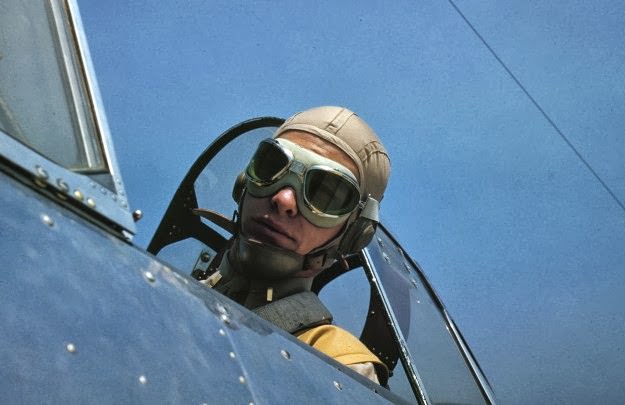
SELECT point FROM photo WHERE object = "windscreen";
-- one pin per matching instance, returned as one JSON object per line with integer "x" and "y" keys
{"x": 43, "y": 101}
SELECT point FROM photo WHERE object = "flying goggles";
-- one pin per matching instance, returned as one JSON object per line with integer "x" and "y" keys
{"x": 327, "y": 192}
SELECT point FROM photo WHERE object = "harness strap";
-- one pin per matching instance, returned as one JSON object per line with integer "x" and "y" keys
{"x": 296, "y": 312}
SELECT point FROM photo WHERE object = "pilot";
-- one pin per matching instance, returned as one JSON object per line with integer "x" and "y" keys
{"x": 308, "y": 197}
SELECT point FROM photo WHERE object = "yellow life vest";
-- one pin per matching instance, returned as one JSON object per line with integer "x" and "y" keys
{"x": 342, "y": 346}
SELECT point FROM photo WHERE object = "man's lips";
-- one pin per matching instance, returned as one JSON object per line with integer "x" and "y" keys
{"x": 271, "y": 231}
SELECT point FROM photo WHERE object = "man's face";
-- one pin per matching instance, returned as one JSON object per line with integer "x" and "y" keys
{"x": 276, "y": 219}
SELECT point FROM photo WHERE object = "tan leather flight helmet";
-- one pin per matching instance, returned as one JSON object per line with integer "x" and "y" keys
{"x": 350, "y": 133}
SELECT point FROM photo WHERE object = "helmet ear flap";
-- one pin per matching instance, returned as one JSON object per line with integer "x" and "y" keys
{"x": 239, "y": 187}
{"x": 360, "y": 232}
{"x": 357, "y": 235}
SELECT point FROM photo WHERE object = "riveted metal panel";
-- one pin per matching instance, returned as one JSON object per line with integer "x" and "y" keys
{"x": 86, "y": 317}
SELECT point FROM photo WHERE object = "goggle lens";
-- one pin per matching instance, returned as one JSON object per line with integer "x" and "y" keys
{"x": 330, "y": 193}
{"x": 268, "y": 163}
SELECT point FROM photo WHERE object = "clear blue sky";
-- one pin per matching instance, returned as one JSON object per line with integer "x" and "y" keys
{"x": 521, "y": 240}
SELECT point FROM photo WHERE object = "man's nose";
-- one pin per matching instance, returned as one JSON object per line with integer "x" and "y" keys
{"x": 285, "y": 201}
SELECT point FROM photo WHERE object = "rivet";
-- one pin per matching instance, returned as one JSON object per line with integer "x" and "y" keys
{"x": 124, "y": 204}
{"x": 62, "y": 185}
{"x": 92, "y": 184}
{"x": 242, "y": 379}
{"x": 71, "y": 348}
{"x": 386, "y": 258}
{"x": 78, "y": 195}
{"x": 232, "y": 355}
{"x": 103, "y": 190}
{"x": 414, "y": 282}
{"x": 143, "y": 380}
{"x": 47, "y": 220}
{"x": 137, "y": 215}
{"x": 338, "y": 385}
{"x": 222, "y": 332}
{"x": 380, "y": 242}
{"x": 223, "y": 313}
{"x": 149, "y": 276}
{"x": 285, "y": 354}
{"x": 418, "y": 301}
{"x": 91, "y": 202}
{"x": 42, "y": 174}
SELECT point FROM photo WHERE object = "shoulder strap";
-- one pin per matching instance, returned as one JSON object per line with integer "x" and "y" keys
{"x": 296, "y": 312}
